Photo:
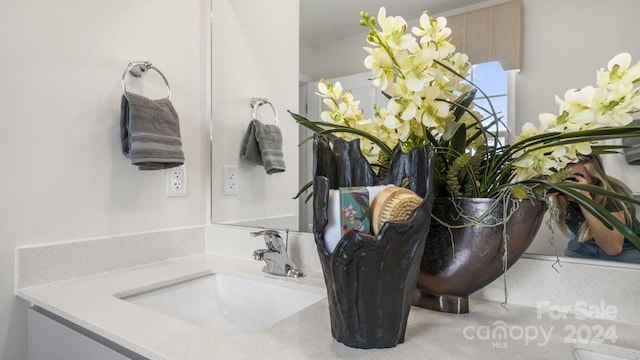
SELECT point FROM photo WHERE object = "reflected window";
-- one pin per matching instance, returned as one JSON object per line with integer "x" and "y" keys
{"x": 494, "y": 81}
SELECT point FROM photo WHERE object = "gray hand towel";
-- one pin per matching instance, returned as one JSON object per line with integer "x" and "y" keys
{"x": 632, "y": 152}
{"x": 150, "y": 132}
{"x": 262, "y": 145}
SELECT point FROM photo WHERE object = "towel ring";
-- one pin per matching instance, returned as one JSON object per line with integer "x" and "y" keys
{"x": 257, "y": 102}
{"x": 139, "y": 68}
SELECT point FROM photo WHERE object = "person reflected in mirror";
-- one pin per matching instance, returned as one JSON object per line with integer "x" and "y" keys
{"x": 589, "y": 238}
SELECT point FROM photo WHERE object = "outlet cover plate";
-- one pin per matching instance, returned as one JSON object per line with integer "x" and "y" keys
{"x": 230, "y": 180}
{"x": 177, "y": 181}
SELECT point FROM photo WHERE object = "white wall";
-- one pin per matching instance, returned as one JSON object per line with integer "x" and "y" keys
{"x": 64, "y": 176}
{"x": 565, "y": 43}
{"x": 255, "y": 54}
{"x": 334, "y": 59}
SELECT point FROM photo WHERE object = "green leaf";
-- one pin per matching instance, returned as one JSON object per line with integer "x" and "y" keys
{"x": 600, "y": 191}
{"x": 304, "y": 188}
{"x": 607, "y": 148}
{"x": 606, "y": 218}
{"x": 306, "y": 200}
{"x": 311, "y": 125}
{"x": 450, "y": 129}
{"x": 462, "y": 103}
{"x": 502, "y": 162}
{"x": 320, "y": 127}
{"x": 556, "y": 138}
{"x": 307, "y": 139}
{"x": 335, "y": 128}
{"x": 458, "y": 142}
{"x": 440, "y": 152}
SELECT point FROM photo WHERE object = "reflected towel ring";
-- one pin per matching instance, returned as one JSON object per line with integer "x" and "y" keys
{"x": 257, "y": 102}
{"x": 139, "y": 68}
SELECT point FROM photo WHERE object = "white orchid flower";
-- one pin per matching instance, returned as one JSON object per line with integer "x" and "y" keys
{"x": 413, "y": 68}
{"x": 381, "y": 66}
{"x": 330, "y": 103}
{"x": 547, "y": 120}
{"x": 528, "y": 130}
{"x": 399, "y": 128}
{"x": 424, "y": 25}
{"x": 326, "y": 89}
{"x": 393, "y": 30}
{"x": 400, "y": 108}
{"x": 583, "y": 148}
{"x": 559, "y": 152}
{"x": 441, "y": 109}
{"x": 533, "y": 164}
{"x": 432, "y": 30}
{"x": 581, "y": 119}
{"x": 577, "y": 98}
{"x": 615, "y": 118}
{"x": 336, "y": 90}
{"x": 429, "y": 120}
{"x": 620, "y": 70}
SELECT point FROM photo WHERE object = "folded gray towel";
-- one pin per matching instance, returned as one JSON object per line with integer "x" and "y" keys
{"x": 262, "y": 145}
{"x": 150, "y": 132}
{"x": 632, "y": 152}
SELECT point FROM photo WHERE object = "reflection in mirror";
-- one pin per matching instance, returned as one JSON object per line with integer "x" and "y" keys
{"x": 560, "y": 51}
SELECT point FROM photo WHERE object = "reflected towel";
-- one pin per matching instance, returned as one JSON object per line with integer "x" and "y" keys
{"x": 262, "y": 145}
{"x": 150, "y": 132}
{"x": 632, "y": 152}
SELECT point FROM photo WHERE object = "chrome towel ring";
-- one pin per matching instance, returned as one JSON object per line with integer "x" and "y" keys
{"x": 257, "y": 102}
{"x": 139, "y": 68}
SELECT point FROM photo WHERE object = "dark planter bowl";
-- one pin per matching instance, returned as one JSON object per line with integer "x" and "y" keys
{"x": 446, "y": 279}
{"x": 370, "y": 280}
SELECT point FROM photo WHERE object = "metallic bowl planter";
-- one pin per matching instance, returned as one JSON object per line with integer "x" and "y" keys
{"x": 450, "y": 272}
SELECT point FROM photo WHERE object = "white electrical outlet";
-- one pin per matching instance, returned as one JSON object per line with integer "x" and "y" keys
{"x": 230, "y": 183}
{"x": 177, "y": 181}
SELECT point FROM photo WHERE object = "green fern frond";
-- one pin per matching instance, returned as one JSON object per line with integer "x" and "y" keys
{"x": 471, "y": 183}
{"x": 453, "y": 175}
{"x": 520, "y": 192}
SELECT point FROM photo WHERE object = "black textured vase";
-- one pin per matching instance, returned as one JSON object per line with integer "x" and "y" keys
{"x": 370, "y": 279}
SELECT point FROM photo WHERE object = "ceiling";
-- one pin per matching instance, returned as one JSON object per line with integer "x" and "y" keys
{"x": 322, "y": 20}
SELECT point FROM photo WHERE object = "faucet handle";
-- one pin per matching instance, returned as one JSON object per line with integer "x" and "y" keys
{"x": 266, "y": 232}
{"x": 273, "y": 240}
{"x": 259, "y": 254}
{"x": 275, "y": 256}
{"x": 296, "y": 273}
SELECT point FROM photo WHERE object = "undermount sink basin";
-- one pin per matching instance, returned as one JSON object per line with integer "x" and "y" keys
{"x": 227, "y": 304}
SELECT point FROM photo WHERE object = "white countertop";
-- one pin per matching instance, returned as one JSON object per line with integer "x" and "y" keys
{"x": 91, "y": 303}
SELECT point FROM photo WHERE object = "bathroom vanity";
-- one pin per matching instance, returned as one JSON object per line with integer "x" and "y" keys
{"x": 112, "y": 313}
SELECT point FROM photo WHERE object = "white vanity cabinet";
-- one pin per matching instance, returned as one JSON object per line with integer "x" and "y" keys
{"x": 51, "y": 339}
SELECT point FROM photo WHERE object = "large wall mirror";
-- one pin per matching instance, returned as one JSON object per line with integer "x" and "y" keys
{"x": 563, "y": 44}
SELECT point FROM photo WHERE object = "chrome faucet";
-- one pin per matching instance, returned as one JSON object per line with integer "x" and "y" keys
{"x": 275, "y": 255}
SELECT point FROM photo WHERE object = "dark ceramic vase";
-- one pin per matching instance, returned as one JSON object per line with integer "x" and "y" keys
{"x": 459, "y": 261}
{"x": 370, "y": 279}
